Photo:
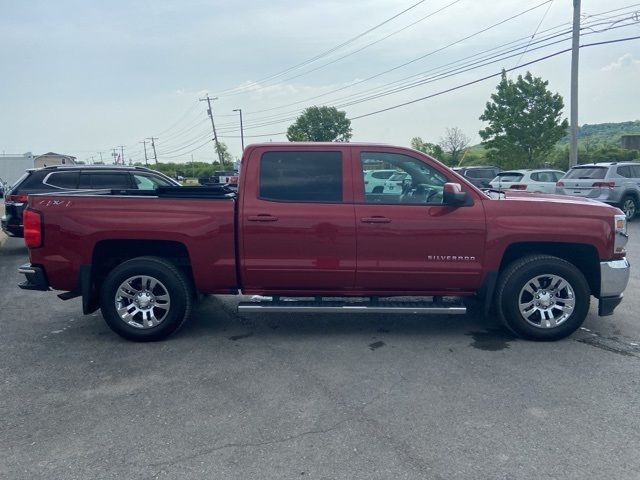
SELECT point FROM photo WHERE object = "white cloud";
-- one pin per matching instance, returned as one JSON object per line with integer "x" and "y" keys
{"x": 625, "y": 62}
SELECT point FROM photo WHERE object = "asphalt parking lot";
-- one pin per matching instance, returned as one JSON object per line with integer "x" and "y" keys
{"x": 313, "y": 396}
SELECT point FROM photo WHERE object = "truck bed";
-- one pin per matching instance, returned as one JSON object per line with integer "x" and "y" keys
{"x": 78, "y": 226}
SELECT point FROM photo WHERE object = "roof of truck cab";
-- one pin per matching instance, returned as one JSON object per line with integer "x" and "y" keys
{"x": 323, "y": 144}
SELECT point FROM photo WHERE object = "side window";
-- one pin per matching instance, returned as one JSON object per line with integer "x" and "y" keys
{"x": 301, "y": 176}
{"x": 624, "y": 171}
{"x": 557, "y": 176}
{"x": 62, "y": 180}
{"x": 635, "y": 171}
{"x": 535, "y": 177}
{"x": 148, "y": 182}
{"x": 545, "y": 177}
{"x": 414, "y": 182}
{"x": 105, "y": 180}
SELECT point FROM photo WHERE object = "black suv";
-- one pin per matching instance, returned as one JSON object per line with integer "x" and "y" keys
{"x": 480, "y": 176}
{"x": 78, "y": 177}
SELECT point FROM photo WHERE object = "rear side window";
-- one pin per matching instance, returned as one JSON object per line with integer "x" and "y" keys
{"x": 109, "y": 180}
{"x": 625, "y": 171}
{"x": 32, "y": 182}
{"x": 381, "y": 175}
{"x": 480, "y": 173}
{"x": 149, "y": 182}
{"x": 62, "y": 179}
{"x": 301, "y": 176}
{"x": 586, "y": 173}
{"x": 635, "y": 170}
{"x": 548, "y": 177}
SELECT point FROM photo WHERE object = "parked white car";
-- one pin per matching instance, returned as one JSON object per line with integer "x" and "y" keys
{"x": 394, "y": 183}
{"x": 539, "y": 181}
{"x": 374, "y": 180}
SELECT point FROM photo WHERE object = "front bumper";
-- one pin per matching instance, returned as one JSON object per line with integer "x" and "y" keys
{"x": 36, "y": 279}
{"x": 614, "y": 277}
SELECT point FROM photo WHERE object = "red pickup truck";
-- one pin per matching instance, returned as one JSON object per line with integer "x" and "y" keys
{"x": 303, "y": 233}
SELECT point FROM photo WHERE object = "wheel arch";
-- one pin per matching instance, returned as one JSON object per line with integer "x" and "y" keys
{"x": 583, "y": 256}
{"x": 108, "y": 254}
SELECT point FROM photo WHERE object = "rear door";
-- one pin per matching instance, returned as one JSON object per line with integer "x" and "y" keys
{"x": 297, "y": 221}
{"x": 409, "y": 242}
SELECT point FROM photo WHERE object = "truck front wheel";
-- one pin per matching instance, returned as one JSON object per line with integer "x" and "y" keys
{"x": 145, "y": 299}
{"x": 541, "y": 297}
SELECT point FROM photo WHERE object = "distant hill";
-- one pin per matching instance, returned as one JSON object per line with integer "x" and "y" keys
{"x": 601, "y": 134}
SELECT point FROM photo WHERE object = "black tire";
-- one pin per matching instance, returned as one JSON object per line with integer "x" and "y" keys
{"x": 378, "y": 190}
{"x": 629, "y": 206}
{"x": 168, "y": 277}
{"x": 511, "y": 290}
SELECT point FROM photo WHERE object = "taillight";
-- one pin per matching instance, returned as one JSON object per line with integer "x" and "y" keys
{"x": 518, "y": 186}
{"x": 17, "y": 198}
{"x": 560, "y": 184}
{"x": 604, "y": 184}
{"x": 32, "y": 222}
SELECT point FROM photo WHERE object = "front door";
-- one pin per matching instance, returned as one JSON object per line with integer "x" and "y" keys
{"x": 408, "y": 241}
{"x": 297, "y": 221}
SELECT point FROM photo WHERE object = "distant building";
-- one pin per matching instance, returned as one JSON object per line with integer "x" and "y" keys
{"x": 13, "y": 166}
{"x": 630, "y": 142}
{"x": 51, "y": 158}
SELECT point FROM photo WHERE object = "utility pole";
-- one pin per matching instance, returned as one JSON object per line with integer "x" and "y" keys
{"x": 121, "y": 154}
{"x": 101, "y": 162}
{"x": 153, "y": 145}
{"x": 575, "y": 53}
{"x": 239, "y": 110}
{"x": 114, "y": 155}
{"x": 146, "y": 159}
{"x": 213, "y": 127}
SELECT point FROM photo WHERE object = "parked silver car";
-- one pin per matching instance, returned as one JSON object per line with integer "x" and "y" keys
{"x": 615, "y": 183}
{"x": 538, "y": 181}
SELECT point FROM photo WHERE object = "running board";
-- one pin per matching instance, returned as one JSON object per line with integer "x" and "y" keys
{"x": 265, "y": 304}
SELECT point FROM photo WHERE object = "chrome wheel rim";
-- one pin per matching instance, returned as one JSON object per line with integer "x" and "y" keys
{"x": 142, "y": 301}
{"x": 546, "y": 301}
{"x": 629, "y": 208}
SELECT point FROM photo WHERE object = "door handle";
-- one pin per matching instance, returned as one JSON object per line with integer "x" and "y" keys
{"x": 263, "y": 217}
{"x": 375, "y": 219}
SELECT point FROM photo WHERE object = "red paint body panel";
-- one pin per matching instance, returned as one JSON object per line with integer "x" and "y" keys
{"x": 321, "y": 248}
{"x": 73, "y": 225}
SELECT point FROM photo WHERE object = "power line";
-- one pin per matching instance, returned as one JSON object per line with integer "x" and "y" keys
{"x": 458, "y": 87}
{"x": 262, "y": 86}
{"x": 535, "y": 32}
{"x": 325, "y": 53}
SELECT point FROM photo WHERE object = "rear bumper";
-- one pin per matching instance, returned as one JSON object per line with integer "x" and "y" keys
{"x": 36, "y": 278}
{"x": 614, "y": 277}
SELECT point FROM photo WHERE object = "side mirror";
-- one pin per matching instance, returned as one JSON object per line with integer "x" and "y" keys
{"x": 453, "y": 195}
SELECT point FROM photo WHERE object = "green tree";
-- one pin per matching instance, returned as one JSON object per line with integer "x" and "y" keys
{"x": 320, "y": 124}
{"x": 432, "y": 149}
{"x": 524, "y": 122}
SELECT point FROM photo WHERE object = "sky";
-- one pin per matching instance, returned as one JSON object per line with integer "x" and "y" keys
{"x": 82, "y": 77}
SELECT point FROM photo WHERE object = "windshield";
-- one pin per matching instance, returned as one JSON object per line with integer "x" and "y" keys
{"x": 586, "y": 173}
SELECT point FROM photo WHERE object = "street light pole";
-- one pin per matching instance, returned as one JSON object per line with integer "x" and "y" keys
{"x": 575, "y": 53}
{"x": 239, "y": 110}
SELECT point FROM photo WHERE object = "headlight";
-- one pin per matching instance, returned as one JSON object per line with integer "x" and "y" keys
{"x": 620, "y": 222}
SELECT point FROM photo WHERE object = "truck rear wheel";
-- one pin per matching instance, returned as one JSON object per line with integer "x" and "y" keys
{"x": 145, "y": 299}
{"x": 540, "y": 297}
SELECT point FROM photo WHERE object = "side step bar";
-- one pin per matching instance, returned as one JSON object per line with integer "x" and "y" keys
{"x": 266, "y": 304}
